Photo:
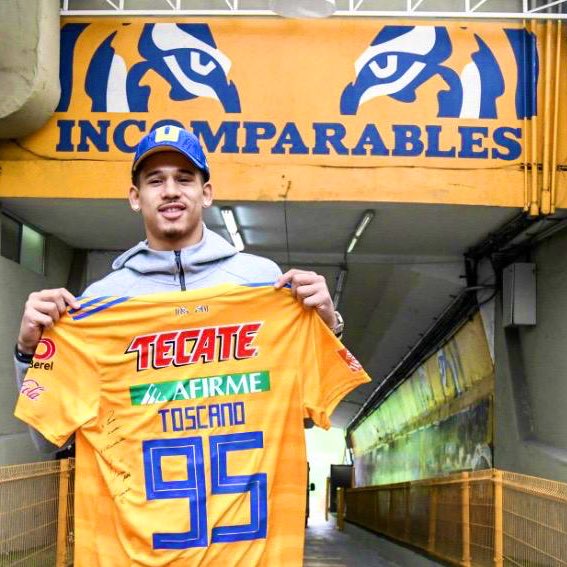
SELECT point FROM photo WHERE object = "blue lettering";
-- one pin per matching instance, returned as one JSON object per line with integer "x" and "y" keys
{"x": 163, "y": 413}
{"x": 511, "y": 144}
{"x": 469, "y": 141}
{"x": 433, "y": 149}
{"x": 238, "y": 413}
{"x": 202, "y": 416}
{"x": 227, "y": 412}
{"x": 215, "y": 417}
{"x": 227, "y": 130}
{"x": 370, "y": 137}
{"x": 329, "y": 133}
{"x": 190, "y": 418}
{"x": 176, "y": 419}
{"x": 99, "y": 138}
{"x": 119, "y": 135}
{"x": 200, "y": 424}
{"x": 290, "y": 136}
{"x": 408, "y": 142}
{"x": 257, "y": 131}
{"x": 65, "y": 143}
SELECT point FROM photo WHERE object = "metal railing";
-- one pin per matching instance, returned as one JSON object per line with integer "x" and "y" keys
{"x": 487, "y": 517}
{"x": 462, "y": 9}
{"x": 36, "y": 514}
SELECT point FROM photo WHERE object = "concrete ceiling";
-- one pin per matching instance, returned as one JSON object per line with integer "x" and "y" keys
{"x": 401, "y": 275}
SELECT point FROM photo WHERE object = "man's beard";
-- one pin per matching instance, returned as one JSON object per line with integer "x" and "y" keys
{"x": 173, "y": 232}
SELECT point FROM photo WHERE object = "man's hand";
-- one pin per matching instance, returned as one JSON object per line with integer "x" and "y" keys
{"x": 311, "y": 289}
{"x": 42, "y": 310}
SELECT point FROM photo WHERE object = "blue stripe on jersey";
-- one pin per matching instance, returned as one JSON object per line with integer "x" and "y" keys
{"x": 261, "y": 284}
{"x": 88, "y": 303}
{"x": 101, "y": 307}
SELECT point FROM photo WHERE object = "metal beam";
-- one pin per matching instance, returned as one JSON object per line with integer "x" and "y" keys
{"x": 464, "y": 9}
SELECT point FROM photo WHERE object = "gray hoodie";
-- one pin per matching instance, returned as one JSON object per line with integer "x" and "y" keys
{"x": 141, "y": 270}
{"x": 212, "y": 261}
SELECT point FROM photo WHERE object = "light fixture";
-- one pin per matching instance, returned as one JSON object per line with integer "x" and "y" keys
{"x": 232, "y": 228}
{"x": 364, "y": 222}
{"x": 303, "y": 8}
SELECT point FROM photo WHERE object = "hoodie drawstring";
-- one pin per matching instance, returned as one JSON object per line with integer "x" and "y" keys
{"x": 180, "y": 269}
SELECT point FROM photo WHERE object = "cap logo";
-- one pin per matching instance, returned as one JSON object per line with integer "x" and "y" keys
{"x": 167, "y": 134}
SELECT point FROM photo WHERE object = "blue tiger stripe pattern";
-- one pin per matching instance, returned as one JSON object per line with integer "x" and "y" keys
{"x": 78, "y": 314}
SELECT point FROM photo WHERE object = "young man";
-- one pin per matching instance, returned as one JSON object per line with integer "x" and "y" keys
{"x": 170, "y": 188}
{"x": 187, "y": 407}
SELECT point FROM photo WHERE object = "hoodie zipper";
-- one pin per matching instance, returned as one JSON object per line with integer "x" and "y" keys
{"x": 180, "y": 269}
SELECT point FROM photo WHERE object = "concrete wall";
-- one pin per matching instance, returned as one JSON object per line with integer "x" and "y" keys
{"x": 16, "y": 283}
{"x": 99, "y": 264}
{"x": 29, "y": 66}
{"x": 531, "y": 376}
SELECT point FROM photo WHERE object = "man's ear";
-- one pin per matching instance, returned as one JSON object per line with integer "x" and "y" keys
{"x": 134, "y": 198}
{"x": 207, "y": 195}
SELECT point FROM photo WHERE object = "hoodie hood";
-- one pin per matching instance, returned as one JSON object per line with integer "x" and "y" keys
{"x": 194, "y": 259}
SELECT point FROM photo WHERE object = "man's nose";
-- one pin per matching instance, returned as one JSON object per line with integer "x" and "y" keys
{"x": 171, "y": 187}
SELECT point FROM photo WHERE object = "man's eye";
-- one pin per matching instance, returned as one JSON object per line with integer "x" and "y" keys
{"x": 154, "y": 181}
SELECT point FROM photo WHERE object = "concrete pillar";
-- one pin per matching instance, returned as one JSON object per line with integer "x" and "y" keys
{"x": 29, "y": 65}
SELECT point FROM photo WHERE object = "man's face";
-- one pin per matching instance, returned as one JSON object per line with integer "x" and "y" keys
{"x": 171, "y": 196}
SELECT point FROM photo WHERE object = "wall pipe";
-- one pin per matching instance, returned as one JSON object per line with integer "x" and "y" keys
{"x": 526, "y": 145}
{"x": 534, "y": 198}
{"x": 545, "y": 202}
{"x": 526, "y": 149}
{"x": 555, "y": 118}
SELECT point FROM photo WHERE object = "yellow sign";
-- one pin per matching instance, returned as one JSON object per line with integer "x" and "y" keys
{"x": 343, "y": 93}
{"x": 338, "y": 92}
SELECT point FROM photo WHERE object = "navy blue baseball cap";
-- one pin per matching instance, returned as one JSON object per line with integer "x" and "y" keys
{"x": 172, "y": 138}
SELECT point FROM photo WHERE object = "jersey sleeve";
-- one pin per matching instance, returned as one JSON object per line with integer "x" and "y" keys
{"x": 328, "y": 369}
{"x": 60, "y": 391}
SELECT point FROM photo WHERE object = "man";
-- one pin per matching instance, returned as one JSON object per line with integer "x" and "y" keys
{"x": 170, "y": 188}
{"x": 187, "y": 406}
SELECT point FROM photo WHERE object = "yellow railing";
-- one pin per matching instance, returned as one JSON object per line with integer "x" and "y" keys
{"x": 480, "y": 518}
{"x": 487, "y": 517}
{"x": 36, "y": 521}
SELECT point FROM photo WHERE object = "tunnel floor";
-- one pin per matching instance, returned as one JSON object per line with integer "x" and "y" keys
{"x": 325, "y": 546}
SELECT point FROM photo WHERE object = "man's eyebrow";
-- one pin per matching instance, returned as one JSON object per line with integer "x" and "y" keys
{"x": 151, "y": 172}
{"x": 159, "y": 171}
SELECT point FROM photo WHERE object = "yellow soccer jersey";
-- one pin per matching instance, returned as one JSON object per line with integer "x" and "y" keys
{"x": 188, "y": 410}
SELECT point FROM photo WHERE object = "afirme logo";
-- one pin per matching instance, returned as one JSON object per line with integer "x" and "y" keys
{"x": 402, "y": 58}
{"x": 45, "y": 350}
{"x": 184, "y": 55}
{"x": 200, "y": 387}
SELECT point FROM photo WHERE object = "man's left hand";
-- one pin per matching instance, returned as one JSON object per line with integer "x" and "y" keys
{"x": 311, "y": 289}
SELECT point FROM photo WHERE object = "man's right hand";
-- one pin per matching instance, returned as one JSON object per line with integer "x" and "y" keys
{"x": 42, "y": 310}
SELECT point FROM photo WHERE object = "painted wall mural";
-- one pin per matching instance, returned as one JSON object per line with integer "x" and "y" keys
{"x": 436, "y": 422}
